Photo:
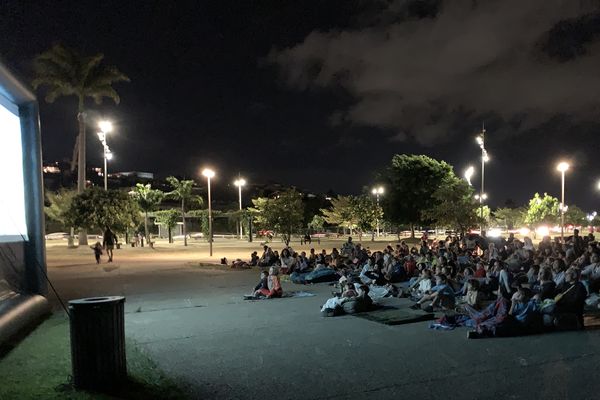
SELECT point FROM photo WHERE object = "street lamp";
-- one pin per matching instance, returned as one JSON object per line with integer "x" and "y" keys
{"x": 480, "y": 139}
{"x": 209, "y": 173}
{"x": 105, "y": 127}
{"x": 590, "y": 218}
{"x": 562, "y": 167}
{"x": 377, "y": 191}
{"x": 239, "y": 183}
{"x": 469, "y": 174}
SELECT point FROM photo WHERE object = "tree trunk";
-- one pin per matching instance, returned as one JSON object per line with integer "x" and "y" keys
{"x": 146, "y": 226}
{"x": 71, "y": 241}
{"x": 183, "y": 220}
{"x": 412, "y": 231}
{"x": 170, "y": 235}
{"x": 372, "y": 235}
{"x": 81, "y": 163}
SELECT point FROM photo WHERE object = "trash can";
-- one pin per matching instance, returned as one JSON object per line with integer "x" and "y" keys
{"x": 98, "y": 342}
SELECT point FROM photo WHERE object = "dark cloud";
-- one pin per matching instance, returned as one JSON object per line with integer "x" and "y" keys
{"x": 424, "y": 70}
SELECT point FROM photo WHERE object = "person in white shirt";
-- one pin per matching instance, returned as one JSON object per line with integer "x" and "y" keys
{"x": 590, "y": 276}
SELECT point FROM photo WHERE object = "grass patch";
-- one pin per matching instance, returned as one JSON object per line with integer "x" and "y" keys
{"x": 39, "y": 367}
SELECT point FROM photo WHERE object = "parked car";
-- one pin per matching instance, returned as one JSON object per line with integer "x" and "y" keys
{"x": 57, "y": 236}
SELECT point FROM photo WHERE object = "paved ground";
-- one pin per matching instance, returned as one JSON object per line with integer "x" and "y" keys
{"x": 193, "y": 323}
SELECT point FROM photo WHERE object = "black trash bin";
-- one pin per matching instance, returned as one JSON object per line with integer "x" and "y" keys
{"x": 98, "y": 342}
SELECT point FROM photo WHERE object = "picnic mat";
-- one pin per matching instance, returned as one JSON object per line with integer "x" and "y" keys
{"x": 285, "y": 295}
{"x": 396, "y": 316}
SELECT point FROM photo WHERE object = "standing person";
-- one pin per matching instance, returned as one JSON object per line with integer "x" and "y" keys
{"x": 109, "y": 241}
{"x": 97, "y": 251}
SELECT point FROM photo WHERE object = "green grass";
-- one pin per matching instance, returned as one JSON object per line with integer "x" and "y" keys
{"x": 39, "y": 367}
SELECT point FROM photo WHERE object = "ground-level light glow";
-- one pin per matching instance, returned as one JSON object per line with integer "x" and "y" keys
{"x": 524, "y": 231}
{"x": 12, "y": 202}
{"x": 542, "y": 230}
{"x": 495, "y": 232}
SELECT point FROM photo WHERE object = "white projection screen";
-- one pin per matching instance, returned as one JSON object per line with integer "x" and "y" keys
{"x": 13, "y": 227}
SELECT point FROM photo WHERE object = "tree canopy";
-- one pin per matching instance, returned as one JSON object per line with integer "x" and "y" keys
{"x": 341, "y": 213}
{"x": 510, "y": 218}
{"x": 96, "y": 209}
{"x": 575, "y": 216}
{"x": 454, "y": 206}
{"x": 167, "y": 218}
{"x": 148, "y": 199}
{"x": 542, "y": 210}
{"x": 182, "y": 191}
{"x": 284, "y": 213}
{"x": 411, "y": 181}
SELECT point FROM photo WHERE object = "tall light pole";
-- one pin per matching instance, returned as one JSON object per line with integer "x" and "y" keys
{"x": 562, "y": 167}
{"x": 377, "y": 191}
{"x": 239, "y": 183}
{"x": 209, "y": 173}
{"x": 484, "y": 158}
{"x": 105, "y": 127}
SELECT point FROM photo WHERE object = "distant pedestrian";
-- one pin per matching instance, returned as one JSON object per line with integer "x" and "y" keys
{"x": 109, "y": 241}
{"x": 97, "y": 251}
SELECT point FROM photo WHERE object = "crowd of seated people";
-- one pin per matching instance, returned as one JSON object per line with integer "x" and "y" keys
{"x": 527, "y": 289}
{"x": 500, "y": 286}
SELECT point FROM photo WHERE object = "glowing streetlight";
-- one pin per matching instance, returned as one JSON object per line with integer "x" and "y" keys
{"x": 239, "y": 183}
{"x": 469, "y": 174}
{"x": 209, "y": 173}
{"x": 377, "y": 191}
{"x": 562, "y": 167}
{"x": 105, "y": 127}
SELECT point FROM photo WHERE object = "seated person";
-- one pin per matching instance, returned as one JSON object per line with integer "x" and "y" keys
{"x": 262, "y": 285}
{"x": 441, "y": 295}
{"x": 546, "y": 288}
{"x": 486, "y": 321}
{"x": 253, "y": 259}
{"x": 590, "y": 276}
{"x": 287, "y": 261}
{"x": 421, "y": 286}
{"x": 273, "y": 285}
{"x": 569, "y": 303}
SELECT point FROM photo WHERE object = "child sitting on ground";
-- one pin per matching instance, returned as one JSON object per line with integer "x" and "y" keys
{"x": 97, "y": 251}
{"x": 263, "y": 284}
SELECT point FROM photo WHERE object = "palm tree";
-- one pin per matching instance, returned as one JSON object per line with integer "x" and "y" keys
{"x": 182, "y": 190}
{"x": 148, "y": 199}
{"x": 66, "y": 72}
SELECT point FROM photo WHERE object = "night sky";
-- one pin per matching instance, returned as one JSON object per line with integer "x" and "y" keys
{"x": 321, "y": 94}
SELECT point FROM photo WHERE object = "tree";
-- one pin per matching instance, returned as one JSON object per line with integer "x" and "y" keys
{"x": 168, "y": 218}
{"x": 510, "y": 217}
{"x": 284, "y": 213}
{"x": 66, "y": 72}
{"x": 316, "y": 224}
{"x": 148, "y": 200}
{"x": 59, "y": 204}
{"x": 542, "y": 210}
{"x": 454, "y": 205}
{"x": 366, "y": 213}
{"x": 258, "y": 212}
{"x": 341, "y": 213}
{"x": 96, "y": 209}
{"x": 182, "y": 191}
{"x": 410, "y": 181}
{"x": 575, "y": 216}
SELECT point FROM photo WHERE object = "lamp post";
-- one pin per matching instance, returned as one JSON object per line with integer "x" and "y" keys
{"x": 209, "y": 173}
{"x": 105, "y": 127}
{"x": 239, "y": 183}
{"x": 562, "y": 167}
{"x": 377, "y": 191}
{"x": 484, "y": 158}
